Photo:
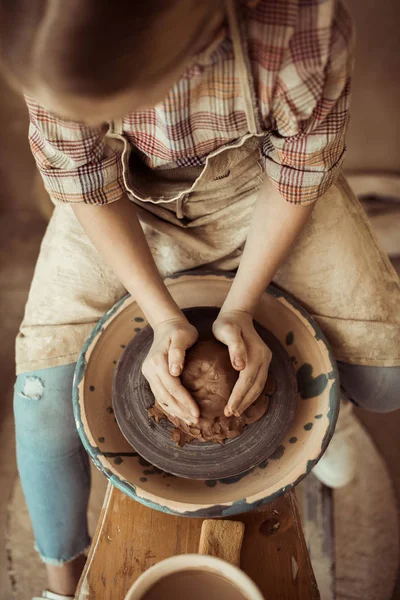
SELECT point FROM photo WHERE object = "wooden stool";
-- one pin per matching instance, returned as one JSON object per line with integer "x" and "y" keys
{"x": 130, "y": 538}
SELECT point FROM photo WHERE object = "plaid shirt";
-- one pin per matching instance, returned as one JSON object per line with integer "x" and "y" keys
{"x": 301, "y": 55}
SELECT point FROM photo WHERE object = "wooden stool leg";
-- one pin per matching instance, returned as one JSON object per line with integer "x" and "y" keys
{"x": 130, "y": 538}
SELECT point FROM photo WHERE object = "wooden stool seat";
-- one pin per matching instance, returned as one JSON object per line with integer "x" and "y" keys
{"x": 130, "y": 538}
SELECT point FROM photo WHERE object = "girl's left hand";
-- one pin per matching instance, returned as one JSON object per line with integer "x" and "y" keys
{"x": 248, "y": 354}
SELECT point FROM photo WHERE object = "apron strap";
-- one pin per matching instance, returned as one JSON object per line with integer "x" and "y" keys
{"x": 115, "y": 128}
{"x": 241, "y": 63}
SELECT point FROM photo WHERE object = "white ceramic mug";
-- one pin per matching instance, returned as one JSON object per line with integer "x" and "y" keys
{"x": 191, "y": 562}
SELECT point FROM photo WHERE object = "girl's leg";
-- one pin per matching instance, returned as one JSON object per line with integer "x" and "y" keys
{"x": 374, "y": 388}
{"x": 338, "y": 273}
{"x": 54, "y": 471}
{"x": 71, "y": 289}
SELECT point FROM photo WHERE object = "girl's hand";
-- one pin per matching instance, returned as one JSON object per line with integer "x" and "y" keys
{"x": 248, "y": 354}
{"x": 164, "y": 364}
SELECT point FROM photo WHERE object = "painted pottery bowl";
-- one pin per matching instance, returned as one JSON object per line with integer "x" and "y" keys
{"x": 303, "y": 445}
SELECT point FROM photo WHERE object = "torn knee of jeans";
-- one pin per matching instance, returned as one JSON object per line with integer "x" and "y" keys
{"x": 33, "y": 388}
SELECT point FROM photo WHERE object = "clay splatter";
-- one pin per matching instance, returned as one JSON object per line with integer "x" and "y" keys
{"x": 308, "y": 426}
{"x": 278, "y": 453}
{"x": 290, "y": 338}
{"x": 293, "y": 440}
{"x": 139, "y": 320}
{"x": 143, "y": 479}
{"x": 91, "y": 388}
{"x": 235, "y": 478}
{"x": 118, "y": 460}
{"x": 137, "y": 329}
{"x": 118, "y": 454}
{"x": 109, "y": 409}
{"x": 309, "y": 386}
{"x": 101, "y": 440}
{"x": 210, "y": 483}
{"x": 318, "y": 416}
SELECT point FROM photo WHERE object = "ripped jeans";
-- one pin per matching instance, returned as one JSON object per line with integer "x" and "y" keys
{"x": 54, "y": 467}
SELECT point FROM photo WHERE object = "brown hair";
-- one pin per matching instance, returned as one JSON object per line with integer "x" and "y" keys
{"x": 77, "y": 46}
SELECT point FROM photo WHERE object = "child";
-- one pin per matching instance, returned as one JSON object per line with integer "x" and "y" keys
{"x": 171, "y": 135}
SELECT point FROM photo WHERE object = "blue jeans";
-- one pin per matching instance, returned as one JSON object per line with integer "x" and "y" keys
{"x": 54, "y": 467}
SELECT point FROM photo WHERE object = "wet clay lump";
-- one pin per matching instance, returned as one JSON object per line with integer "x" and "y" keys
{"x": 209, "y": 377}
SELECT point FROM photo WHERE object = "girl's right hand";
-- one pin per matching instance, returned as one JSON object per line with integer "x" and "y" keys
{"x": 164, "y": 363}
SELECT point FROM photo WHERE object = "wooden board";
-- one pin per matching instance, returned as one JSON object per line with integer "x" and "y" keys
{"x": 130, "y": 538}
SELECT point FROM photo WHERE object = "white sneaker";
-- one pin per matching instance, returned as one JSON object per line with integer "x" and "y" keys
{"x": 337, "y": 467}
{"x": 52, "y": 596}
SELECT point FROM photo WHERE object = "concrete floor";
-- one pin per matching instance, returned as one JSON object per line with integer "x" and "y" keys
{"x": 21, "y": 230}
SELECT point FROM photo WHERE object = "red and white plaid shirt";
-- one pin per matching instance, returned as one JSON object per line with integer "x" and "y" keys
{"x": 301, "y": 55}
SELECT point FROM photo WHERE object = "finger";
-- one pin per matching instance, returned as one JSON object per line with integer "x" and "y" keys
{"x": 164, "y": 399}
{"x": 176, "y": 358}
{"x": 244, "y": 383}
{"x": 231, "y": 336}
{"x": 174, "y": 387}
{"x": 176, "y": 353}
{"x": 255, "y": 391}
{"x": 168, "y": 402}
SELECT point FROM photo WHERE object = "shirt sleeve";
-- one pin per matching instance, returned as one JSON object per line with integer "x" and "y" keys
{"x": 75, "y": 161}
{"x": 305, "y": 146}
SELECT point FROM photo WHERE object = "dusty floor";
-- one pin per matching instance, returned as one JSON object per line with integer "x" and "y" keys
{"x": 21, "y": 230}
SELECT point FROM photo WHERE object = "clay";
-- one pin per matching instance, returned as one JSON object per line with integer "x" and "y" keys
{"x": 209, "y": 376}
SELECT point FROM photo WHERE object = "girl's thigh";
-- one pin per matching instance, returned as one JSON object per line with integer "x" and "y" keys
{"x": 44, "y": 420}
{"x": 72, "y": 288}
{"x": 376, "y": 389}
{"x": 340, "y": 275}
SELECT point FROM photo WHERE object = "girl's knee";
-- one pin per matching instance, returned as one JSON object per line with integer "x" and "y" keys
{"x": 373, "y": 388}
{"x": 43, "y": 411}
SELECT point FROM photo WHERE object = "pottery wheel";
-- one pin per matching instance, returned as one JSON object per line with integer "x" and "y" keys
{"x": 132, "y": 398}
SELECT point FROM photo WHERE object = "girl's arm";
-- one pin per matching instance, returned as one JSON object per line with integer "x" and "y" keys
{"x": 275, "y": 226}
{"x": 115, "y": 231}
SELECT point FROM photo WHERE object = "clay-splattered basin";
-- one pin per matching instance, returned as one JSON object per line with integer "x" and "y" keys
{"x": 303, "y": 445}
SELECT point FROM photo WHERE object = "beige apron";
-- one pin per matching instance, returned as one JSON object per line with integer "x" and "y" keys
{"x": 199, "y": 217}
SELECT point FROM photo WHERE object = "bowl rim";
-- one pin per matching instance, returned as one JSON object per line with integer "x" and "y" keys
{"x": 193, "y": 562}
{"x": 203, "y": 510}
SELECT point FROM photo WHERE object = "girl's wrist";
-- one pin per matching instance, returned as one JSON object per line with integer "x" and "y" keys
{"x": 165, "y": 309}
{"x": 162, "y": 315}
{"x": 239, "y": 305}
{"x": 156, "y": 301}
